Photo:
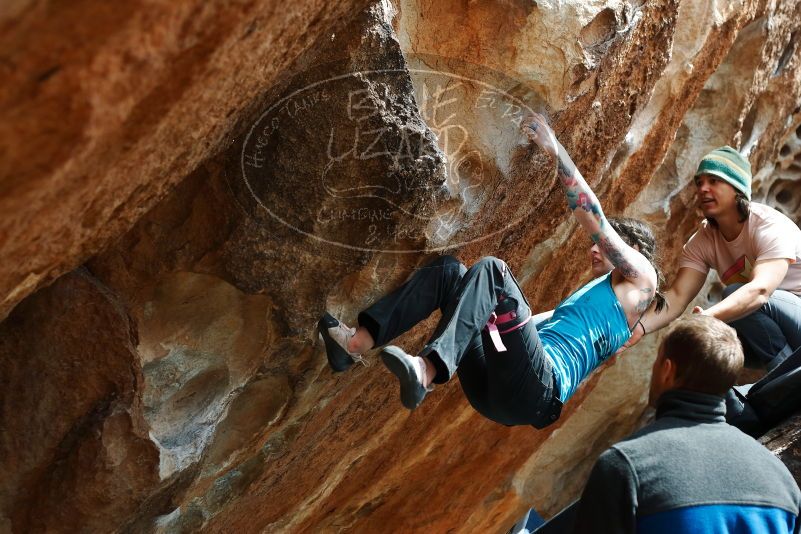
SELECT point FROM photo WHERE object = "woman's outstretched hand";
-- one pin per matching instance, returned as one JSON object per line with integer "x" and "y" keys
{"x": 536, "y": 129}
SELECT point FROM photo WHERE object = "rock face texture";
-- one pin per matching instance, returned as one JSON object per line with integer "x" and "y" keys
{"x": 185, "y": 188}
{"x": 103, "y": 110}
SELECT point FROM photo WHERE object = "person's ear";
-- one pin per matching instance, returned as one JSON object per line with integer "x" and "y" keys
{"x": 669, "y": 373}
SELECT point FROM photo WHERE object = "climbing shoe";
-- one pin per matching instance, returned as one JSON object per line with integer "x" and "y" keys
{"x": 335, "y": 335}
{"x": 402, "y": 366}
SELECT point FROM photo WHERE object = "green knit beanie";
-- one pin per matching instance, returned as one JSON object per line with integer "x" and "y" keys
{"x": 728, "y": 164}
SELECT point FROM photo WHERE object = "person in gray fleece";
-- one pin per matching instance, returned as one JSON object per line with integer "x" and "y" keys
{"x": 689, "y": 471}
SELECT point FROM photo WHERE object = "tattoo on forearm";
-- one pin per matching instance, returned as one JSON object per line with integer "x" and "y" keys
{"x": 565, "y": 169}
{"x": 576, "y": 198}
{"x": 617, "y": 258}
{"x": 579, "y": 196}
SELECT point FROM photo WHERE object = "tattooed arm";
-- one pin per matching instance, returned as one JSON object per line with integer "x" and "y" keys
{"x": 587, "y": 209}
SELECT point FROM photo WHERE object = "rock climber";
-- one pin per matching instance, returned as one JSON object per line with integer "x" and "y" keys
{"x": 514, "y": 368}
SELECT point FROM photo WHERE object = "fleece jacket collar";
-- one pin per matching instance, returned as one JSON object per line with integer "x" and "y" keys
{"x": 691, "y": 405}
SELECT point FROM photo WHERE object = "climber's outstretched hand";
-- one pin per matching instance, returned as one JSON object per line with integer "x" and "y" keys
{"x": 537, "y": 130}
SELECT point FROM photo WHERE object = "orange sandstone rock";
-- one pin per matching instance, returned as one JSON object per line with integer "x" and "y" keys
{"x": 225, "y": 174}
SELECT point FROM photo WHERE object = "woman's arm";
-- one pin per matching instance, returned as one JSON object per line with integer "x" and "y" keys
{"x": 587, "y": 209}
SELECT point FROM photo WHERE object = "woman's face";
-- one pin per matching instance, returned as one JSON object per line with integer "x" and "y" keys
{"x": 599, "y": 264}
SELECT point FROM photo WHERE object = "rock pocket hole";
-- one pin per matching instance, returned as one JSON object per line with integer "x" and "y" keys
{"x": 784, "y": 196}
{"x": 601, "y": 29}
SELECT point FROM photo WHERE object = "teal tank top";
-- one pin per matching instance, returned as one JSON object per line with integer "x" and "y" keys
{"x": 585, "y": 329}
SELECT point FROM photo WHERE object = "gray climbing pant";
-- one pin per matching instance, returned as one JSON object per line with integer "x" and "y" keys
{"x": 514, "y": 386}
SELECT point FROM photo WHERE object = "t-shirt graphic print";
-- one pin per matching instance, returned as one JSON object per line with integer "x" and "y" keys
{"x": 741, "y": 272}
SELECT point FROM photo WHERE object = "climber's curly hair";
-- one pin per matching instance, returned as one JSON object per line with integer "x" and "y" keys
{"x": 637, "y": 233}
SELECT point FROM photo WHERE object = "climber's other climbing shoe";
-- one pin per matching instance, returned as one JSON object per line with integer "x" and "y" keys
{"x": 336, "y": 335}
{"x": 402, "y": 366}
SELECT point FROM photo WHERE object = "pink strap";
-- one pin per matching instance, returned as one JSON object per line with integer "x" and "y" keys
{"x": 494, "y": 334}
{"x": 492, "y": 328}
{"x": 515, "y": 327}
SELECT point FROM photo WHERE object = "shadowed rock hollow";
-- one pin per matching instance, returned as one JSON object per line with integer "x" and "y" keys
{"x": 185, "y": 188}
